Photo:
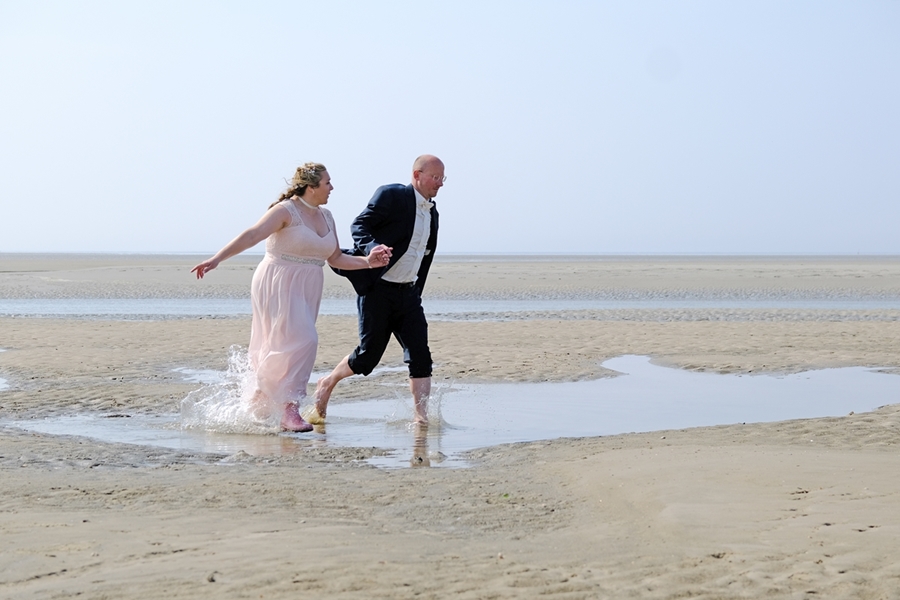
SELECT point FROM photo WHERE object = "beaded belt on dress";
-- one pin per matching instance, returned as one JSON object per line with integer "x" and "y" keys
{"x": 306, "y": 261}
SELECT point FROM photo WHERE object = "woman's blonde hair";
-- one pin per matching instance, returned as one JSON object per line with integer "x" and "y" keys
{"x": 306, "y": 175}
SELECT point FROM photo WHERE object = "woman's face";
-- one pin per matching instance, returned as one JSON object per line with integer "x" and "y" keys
{"x": 322, "y": 192}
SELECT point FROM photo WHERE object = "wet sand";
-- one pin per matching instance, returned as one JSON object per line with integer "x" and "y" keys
{"x": 802, "y": 508}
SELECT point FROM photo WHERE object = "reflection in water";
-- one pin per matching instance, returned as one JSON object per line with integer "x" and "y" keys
{"x": 426, "y": 444}
{"x": 420, "y": 456}
{"x": 464, "y": 417}
{"x": 258, "y": 445}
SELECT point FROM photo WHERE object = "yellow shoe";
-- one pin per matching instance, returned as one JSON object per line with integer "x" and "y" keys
{"x": 311, "y": 415}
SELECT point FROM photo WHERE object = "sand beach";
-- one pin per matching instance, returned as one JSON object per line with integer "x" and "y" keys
{"x": 795, "y": 509}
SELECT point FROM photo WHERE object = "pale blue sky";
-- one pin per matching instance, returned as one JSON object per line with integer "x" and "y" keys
{"x": 600, "y": 127}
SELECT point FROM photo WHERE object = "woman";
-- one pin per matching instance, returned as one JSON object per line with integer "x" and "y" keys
{"x": 287, "y": 289}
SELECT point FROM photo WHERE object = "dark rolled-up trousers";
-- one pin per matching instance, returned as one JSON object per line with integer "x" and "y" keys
{"x": 391, "y": 309}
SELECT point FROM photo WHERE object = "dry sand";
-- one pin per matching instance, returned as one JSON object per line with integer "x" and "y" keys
{"x": 798, "y": 509}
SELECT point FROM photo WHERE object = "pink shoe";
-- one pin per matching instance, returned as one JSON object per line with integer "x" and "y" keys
{"x": 292, "y": 421}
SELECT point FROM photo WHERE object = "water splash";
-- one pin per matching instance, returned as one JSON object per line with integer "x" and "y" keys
{"x": 398, "y": 411}
{"x": 224, "y": 406}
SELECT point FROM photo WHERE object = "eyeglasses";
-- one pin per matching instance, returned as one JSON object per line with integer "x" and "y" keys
{"x": 435, "y": 178}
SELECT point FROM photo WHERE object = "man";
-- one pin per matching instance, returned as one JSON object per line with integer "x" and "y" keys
{"x": 389, "y": 301}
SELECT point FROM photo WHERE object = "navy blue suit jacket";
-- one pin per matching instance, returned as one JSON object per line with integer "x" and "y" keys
{"x": 389, "y": 218}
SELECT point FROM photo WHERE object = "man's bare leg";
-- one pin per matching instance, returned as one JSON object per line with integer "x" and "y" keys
{"x": 421, "y": 390}
{"x": 325, "y": 386}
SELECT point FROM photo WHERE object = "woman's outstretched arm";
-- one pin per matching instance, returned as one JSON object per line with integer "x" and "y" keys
{"x": 275, "y": 218}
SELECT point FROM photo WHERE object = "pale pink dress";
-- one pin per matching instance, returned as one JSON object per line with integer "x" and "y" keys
{"x": 285, "y": 294}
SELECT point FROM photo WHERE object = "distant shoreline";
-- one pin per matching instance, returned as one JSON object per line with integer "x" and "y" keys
{"x": 479, "y": 277}
{"x": 514, "y": 256}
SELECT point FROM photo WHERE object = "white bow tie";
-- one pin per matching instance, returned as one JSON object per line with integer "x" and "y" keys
{"x": 427, "y": 204}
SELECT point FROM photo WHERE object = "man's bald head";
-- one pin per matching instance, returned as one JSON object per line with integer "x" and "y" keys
{"x": 428, "y": 175}
{"x": 426, "y": 160}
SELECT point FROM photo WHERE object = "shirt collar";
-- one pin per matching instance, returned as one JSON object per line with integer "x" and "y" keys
{"x": 421, "y": 201}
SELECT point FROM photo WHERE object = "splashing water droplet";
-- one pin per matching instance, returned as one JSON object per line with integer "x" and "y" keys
{"x": 225, "y": 406}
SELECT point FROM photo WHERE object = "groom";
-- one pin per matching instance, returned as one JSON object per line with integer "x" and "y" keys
{"x": 390, "y": 298}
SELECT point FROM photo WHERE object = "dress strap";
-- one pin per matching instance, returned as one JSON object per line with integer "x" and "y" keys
{"x": 329, "y": 220}
{"x": 295, "y": 214}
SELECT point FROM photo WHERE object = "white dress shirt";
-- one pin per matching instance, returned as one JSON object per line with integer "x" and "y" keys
{"x": 406, "y": 269}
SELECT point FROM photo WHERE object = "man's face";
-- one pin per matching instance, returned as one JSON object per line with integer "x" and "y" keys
{"x": 430, "y": 179}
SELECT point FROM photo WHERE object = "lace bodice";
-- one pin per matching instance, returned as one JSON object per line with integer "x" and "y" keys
{"x": 298, "y": 240}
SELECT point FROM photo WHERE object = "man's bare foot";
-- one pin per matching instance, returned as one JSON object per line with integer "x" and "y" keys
{"x": 326, "y": 384}
{"x": 312, "y": 415}
{"x": 421, "y": 391}
{"x": 292, "y": 421}
{"x": 421, "y": 413}
{"x": 322, "y": 395}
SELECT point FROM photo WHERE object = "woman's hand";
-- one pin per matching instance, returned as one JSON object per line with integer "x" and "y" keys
{"x": 276, "y": 218}
{"x": 380, "y": 256}
{"x": 205, "y": 267}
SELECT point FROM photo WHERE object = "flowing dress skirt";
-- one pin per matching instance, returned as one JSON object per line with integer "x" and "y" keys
{"x": 285, "y": 297}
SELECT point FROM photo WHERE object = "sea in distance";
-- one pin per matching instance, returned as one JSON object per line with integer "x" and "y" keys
{"x": 494, "y": 307}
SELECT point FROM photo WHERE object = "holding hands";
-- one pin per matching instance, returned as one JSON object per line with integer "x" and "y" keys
{"x": 380, "y": 256}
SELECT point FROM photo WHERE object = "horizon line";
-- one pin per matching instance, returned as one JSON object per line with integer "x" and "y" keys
{"x": 470, "y": 254}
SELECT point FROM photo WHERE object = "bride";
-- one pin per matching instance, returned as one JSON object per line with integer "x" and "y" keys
{"x": 286, "y": 290}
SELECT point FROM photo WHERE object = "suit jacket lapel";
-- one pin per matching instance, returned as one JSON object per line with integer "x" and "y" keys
{"x": 410, "y": 210}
